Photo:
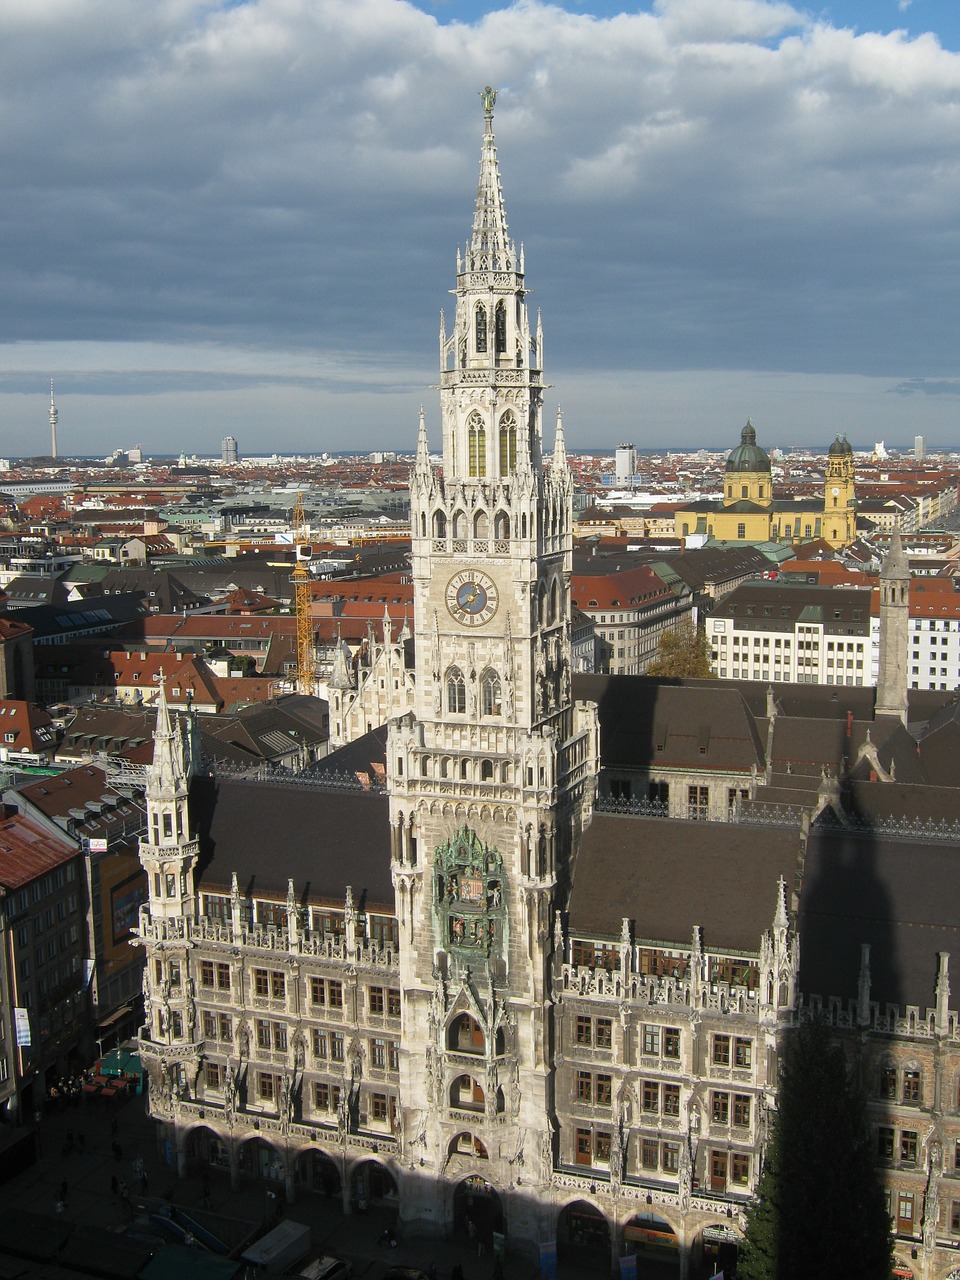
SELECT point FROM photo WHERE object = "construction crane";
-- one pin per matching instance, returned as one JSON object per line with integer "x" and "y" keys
{"x": 301, "y": 588}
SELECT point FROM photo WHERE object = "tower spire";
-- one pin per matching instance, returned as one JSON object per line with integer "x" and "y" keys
{"x": 168, "y": 772}
{"x": 422, "y": 468}
{"x": 490, "y": 246}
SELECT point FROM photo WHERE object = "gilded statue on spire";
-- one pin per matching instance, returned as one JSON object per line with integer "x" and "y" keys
{"x": 489, "y": 97}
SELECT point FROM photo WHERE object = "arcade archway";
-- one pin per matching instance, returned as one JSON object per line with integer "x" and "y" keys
{"x": 477, "y": 1211}
{"x": 655, "y": 1244}
{"x": 205, "y": 1147}
{"x": 372, "y": 1184}
{"x": 583, "y": 1241}
{"x": 715, "y": 1249}
{"x": 316, "y": 1171}
{"x": 260, "y": 1160}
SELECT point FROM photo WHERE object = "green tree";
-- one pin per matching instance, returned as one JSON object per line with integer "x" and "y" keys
{"x": 819, "y": 1209}
{"x": 683, "y": 653}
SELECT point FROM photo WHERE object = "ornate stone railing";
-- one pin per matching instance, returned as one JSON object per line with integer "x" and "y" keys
{"x": 581, "y": 980}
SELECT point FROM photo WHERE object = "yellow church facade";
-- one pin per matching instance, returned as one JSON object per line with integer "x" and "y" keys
{"x": 749, "y": 511}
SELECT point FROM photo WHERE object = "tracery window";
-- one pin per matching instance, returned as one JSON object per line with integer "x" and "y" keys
{"x": 490, "y": 694}
{"x": 508, "y": 444}
{"x": 481, "y": 329}
{"x": 500, "y": 324}
{"x": 456, "y": 692}
{"x": 476, "y": 446}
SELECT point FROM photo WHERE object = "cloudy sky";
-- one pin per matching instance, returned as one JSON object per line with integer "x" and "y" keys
{"x": 243, "y": 216}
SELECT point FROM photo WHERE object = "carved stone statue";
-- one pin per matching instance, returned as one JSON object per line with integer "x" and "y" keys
{"x": 230, "y": 1094}
{"x": 489, "y": 98}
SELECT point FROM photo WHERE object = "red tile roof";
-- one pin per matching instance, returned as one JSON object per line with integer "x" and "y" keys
{"x": 27, "y": 851}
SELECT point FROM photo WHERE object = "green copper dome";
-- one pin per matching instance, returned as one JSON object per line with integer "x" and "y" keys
{"x": 748, "y": 456}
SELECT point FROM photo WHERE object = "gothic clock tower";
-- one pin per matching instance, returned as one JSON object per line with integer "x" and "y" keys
{"x": 492, "y": 775}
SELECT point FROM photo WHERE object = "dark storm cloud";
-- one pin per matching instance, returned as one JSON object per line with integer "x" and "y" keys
{"x": 722, "y": 184}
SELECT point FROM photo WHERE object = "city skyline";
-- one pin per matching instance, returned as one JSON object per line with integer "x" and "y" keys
{"x": 241, "y": 218}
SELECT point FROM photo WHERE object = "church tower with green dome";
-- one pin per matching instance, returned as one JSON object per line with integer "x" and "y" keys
{"x": 839, "y": 495}
{"x": 747, "y": 473}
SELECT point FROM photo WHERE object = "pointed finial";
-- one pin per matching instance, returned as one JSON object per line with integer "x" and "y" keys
{"x": 780, "y": 917}
{"x": 560, "y": 444}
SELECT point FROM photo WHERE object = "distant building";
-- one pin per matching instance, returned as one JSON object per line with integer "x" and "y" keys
{"x": 626, "y": 463}
{"x": 228, "y": 451}
{"x": 919, "y": 448}
{"x": 748, "y": 511}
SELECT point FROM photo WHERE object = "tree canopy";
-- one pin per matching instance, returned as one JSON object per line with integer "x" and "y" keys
{"x": 682, "y": 653}
{"x": 820, "y": 1209}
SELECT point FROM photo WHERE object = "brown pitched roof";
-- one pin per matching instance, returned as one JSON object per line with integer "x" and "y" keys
{"x": 897, "y": 895}
{"x": 266, "y": 833}
{"x": 644, "y": 721}
{"x": 669, "y": 876}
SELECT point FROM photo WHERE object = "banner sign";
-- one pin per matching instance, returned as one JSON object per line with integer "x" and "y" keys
{"x": 21, "y": 1020}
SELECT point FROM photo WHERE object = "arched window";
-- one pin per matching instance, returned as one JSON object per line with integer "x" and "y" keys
{"x": 467, "y": 1094}
{"x": 508, "y": 444}
{"x": 466, "y": 1035}
{"x": 459, "y": 524}
{"x": 481, "y": 525}
{"x": 490, "y": 693}
{"x": 481, "y": 328}
{"x": 500, "y": 321}
{"x": 486, "y": 770}
{"x": 423, "y": 524}
{"x": 439, "y": 524}
{"x": 477, "y": 445}
{"x": 501, "y": 526}
{"x": 556, "y": 601}
{"x": 456, "y": 692}
{"x": 542, "y": 605}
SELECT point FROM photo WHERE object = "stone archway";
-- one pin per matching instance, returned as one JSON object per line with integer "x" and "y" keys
{"x": 477, "y": 1212}
{"x": 583, "y": 1241}
{"x": 204, "y": 1146}
{"x": 372, "y": 1183}
{"x": 715, "y": 1248}
{"x": 317, "y": 1171}
{"x": 654, "y": 1242}
{"x": 259, "y": 1159}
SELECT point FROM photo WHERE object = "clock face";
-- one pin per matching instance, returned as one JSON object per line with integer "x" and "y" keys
{"x": 834, "y": 492}
{"x": 472, "y": 597}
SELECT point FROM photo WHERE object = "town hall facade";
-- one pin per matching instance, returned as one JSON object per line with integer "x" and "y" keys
{"x": 470, "y": 993}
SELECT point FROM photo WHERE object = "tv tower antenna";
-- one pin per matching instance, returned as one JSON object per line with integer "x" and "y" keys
{"x": 53, "y": 423}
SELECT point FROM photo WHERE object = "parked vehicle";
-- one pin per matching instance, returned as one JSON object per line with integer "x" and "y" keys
{"x": 327, "y": 1268}
{"x": 279, "y": 1249}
